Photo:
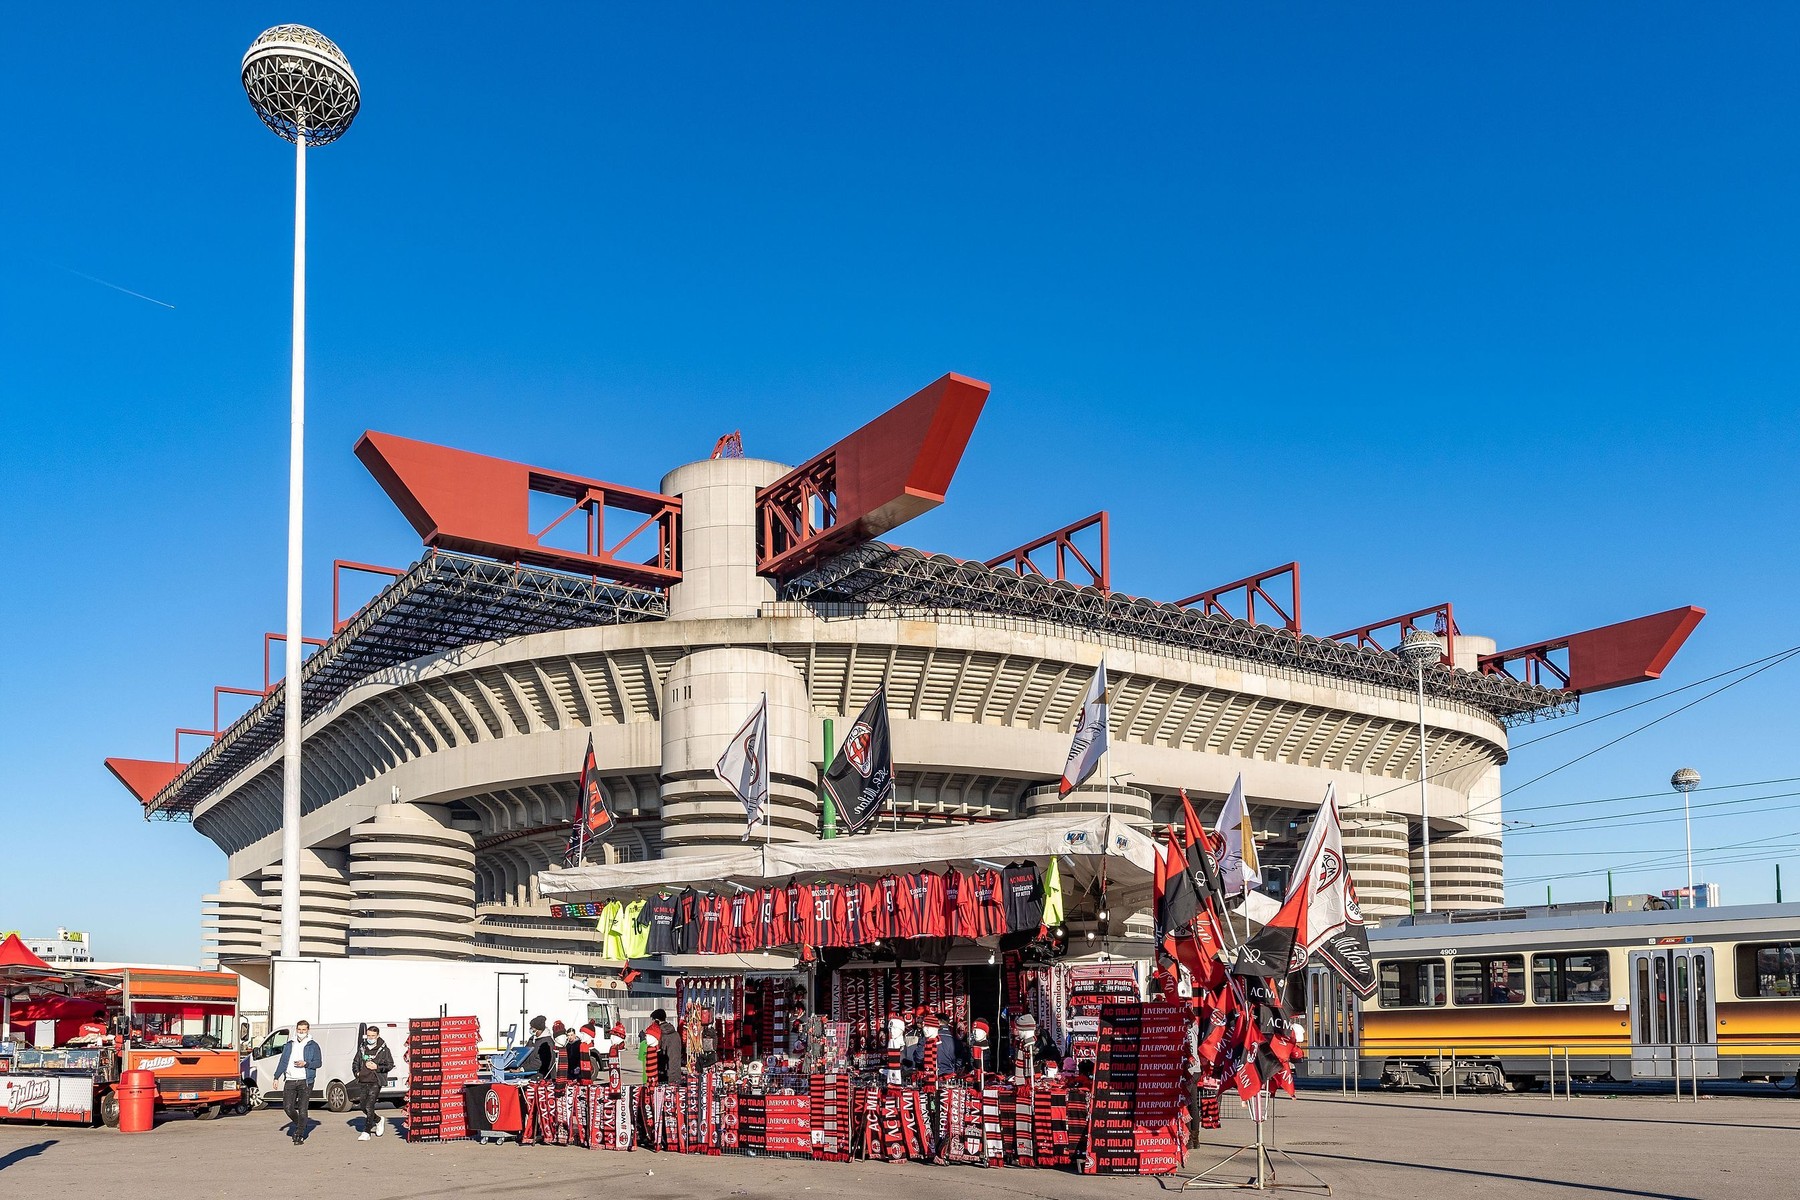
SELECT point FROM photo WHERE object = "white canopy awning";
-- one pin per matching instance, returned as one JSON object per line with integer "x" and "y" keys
{"x": 1091, "y": 846}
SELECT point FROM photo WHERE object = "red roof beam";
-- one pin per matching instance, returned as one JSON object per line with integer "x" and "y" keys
{"x": 144, "y": 778}
{"x": 475, "y": 504}
{"x": 891, "y": 470}
{"x": 1222, "y": 600}
{"x": 1611, "y": 656}
{"x": 269, "y": 639}
{"x": 1441, "y": 624}
{"x": 338, "y": 567}
{"x": 1019, "y": 559}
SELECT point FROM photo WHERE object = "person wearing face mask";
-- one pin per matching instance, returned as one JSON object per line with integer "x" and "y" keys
{"x": 371, "y": 1066}
{"x": 300, "y": 1063}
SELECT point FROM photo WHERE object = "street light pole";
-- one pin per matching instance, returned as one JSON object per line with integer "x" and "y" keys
{"x": 1419, "y": 648}
{"x": 302, "y": 87}
{"x": 1685, "y": 781}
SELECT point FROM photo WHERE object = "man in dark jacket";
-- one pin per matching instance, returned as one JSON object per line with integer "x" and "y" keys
{"x": 299, "y": 1066}
{"x": 370, "y": 1068}
{"x": 542, "y": 1062}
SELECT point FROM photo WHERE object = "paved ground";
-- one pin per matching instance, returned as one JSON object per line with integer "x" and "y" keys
{"x": 1381, "y": 1146}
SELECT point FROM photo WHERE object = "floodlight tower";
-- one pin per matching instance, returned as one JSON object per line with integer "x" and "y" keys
{"x": 302, "y": 87}
{"x": 1685, "y": 781}
{"x": 1419, "y": 648}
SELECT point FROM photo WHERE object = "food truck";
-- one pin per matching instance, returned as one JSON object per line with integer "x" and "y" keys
{"x": 67, "y": 1036}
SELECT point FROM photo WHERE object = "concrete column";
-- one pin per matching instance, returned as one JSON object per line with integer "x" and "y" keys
{"x": 414, "y": 880}
{"x": 233, "y": 922}
{"x": 718, "y": 537}
{"x": 707, "y": 696}
{"x": 1094, "y": 796}
{"x": 1375, "y": 845}
{"x": 324, "y": 903}
{"x": 1468, "y": 871}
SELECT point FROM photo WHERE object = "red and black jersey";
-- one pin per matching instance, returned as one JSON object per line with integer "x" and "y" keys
{"x": 856, "y": 930}
{"x": 1023, "y": 897}
{"x": 715, "y": 925}
{"x": 828, "y": 914}
{"x": 990, "y": 903}
{"x": 772, "y": 914}
{"x": 920, "y": 905}
{"x": 746, "y": 930}
{"x": 807, "y": 929}
{"x": 872, "y": 895}
{"x": 961, "y": 913}
{"x": 661, "y": 914}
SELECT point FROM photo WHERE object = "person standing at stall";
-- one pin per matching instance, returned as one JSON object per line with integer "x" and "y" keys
{"x": 299, "y": 1066}
{"x": 542, "y": 1062}
{"x": 371, "y": 1066}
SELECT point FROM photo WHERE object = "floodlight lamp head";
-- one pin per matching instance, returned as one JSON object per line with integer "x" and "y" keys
{"x": 301, "y": 85}
{"x": 1420, "y": 649}
{"x": 1685, "y": 780}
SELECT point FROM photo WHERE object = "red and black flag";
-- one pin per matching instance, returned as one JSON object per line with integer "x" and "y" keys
{"x": 1205, "y": 861}
{"x": 861, "y": 777}
{"x": 1187, "y": 927}
{"x": 593, "y": 815}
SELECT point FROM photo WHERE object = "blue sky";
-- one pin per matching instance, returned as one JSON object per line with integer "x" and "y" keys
{"x": 1494, "y": 306}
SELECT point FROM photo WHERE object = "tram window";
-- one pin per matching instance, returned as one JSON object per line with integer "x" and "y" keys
{"x": 1582, "y": 977}
{"x": 1771, "y": 969}
{"x": 1412, "y": 983}
{"x": 1498, "y": 980}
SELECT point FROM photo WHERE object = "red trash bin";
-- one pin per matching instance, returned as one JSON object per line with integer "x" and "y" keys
{"x": 137, "y": 1101}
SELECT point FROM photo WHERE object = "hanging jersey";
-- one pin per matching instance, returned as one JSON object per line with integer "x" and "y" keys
{"x": 872, "y": 904}
{"x": 960, "y": 915}
{"x": 772, "y": 915}
{"x": 990, "y": 903}
{"x": 1053, "y": 897}
{"x": 855, "y": 926}
{"x": 658, "y": 917}
{"x": 687, "y": 922}
{"x": 715, "y": 932}
{"x": 1023, "y": 899}
{"x": 746, "y": 932}
{"x": 612, "y": 931}
{"x": 807, "y": 929}
{"x": 635, "y": 936}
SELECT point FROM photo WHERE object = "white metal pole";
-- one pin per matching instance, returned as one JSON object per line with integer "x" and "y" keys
{"x": 291, "y": 715}
{"x": 1688, "y": 824}
{"x": 1424, "y": 796}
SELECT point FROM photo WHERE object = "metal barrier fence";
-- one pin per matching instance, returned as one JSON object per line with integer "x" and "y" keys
{"x": 1684, "y": 1062}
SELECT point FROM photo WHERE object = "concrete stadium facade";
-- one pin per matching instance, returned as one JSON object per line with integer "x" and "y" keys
{"x": 436, "y": 789}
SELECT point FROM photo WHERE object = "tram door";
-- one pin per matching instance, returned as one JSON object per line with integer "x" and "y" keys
{"x": 1673, "y": 1026}
{"x": 1334, "y": 1019}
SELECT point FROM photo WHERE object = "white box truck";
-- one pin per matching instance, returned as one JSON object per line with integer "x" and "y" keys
{"x": 346, "y": 993}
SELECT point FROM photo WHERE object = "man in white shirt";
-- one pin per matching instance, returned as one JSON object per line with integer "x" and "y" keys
{"x": 299, "y": 1065}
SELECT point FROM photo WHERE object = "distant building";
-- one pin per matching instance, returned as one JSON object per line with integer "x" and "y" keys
{"x": 1706, "y": 895}
{"x": 68, "y": 947}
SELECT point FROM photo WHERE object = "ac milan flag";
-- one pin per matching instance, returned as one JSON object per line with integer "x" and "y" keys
{"x": 1238, "y": 867}
{"x": 745, "y": 766}
{"x": 861, "y": 777}
{"x": 1090, "y": 736}
{"x": 1316, "y": 908}
{"x": 1198, "y": 851}
{"x": 1347, "y": 951}
{"x": 593, "y": 815}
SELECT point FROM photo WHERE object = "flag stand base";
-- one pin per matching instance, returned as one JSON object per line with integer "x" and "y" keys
{"x": 1264, "y": 1178}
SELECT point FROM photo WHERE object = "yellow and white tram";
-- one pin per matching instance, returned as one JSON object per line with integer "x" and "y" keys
{"x": 1509, "y": 999}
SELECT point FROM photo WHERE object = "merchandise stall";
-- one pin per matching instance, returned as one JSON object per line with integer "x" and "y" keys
{"x": 930, "y": 1012}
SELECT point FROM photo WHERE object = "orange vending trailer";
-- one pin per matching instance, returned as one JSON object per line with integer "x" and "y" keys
{"x": 181, "y": 1026}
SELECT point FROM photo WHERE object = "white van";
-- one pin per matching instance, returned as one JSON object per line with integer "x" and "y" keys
{"x": 337, "y": 1047}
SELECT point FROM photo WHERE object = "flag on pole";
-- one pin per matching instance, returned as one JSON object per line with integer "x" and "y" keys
{"x": 593, "y": 815}
{"x": 1198, "y": 851}
{"x": 1238, "y": 867}
{"x": 1187, "y": 927}
{"x": 1347, "y": 951}
{"x": 1317, "y": 905}
{"x": 861, "y": 777}
{"x": 1090, "y": 736}
{"x": 745, "y": 766}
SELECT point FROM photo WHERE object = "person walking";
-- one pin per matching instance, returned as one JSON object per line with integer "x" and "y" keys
{"x": 299, "y": 1065}
{"x": 370, "y": 1068}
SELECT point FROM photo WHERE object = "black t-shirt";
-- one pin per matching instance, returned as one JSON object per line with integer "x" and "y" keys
{"x": 662, "y": 915}
{"x": 1024, "y": 898}
{"x": 687, "y": 922}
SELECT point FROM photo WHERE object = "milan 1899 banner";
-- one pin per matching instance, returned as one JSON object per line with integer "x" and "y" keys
{"x": 861, "y": 777}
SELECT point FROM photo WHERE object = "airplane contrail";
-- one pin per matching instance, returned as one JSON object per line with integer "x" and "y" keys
{"x": 115, "y": 287}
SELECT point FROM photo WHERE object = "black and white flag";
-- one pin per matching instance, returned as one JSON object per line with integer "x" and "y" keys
{"x": 745, "y": 766}
{"x": 861, "y": 777}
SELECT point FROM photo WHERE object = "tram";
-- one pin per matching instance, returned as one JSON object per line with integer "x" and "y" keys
{"x": 1509, "y": 999}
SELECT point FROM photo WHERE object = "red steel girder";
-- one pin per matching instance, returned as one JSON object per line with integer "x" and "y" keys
{"x": 480, "y": 505}
{"x": 338, "y": 567}
{"x": 143, "y": 777}
{"x": 269, "y": 640}
{"x": 1020, "y": 561}
{"x": 1219, "y": 601}
{"x": 886, "y": 473}
{"x": 1442, "y": 625}
{"x": 1611, "y": 656}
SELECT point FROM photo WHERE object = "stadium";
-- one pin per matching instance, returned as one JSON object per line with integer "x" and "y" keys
{"x": 446, "y": 721}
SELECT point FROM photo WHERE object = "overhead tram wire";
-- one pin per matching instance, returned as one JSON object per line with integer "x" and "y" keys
{"x": 1612, "y": 818}
{"x": 1660, "y": 795}
{"x": 1761, "y": 664}
{"x": 1662, "y": 862}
